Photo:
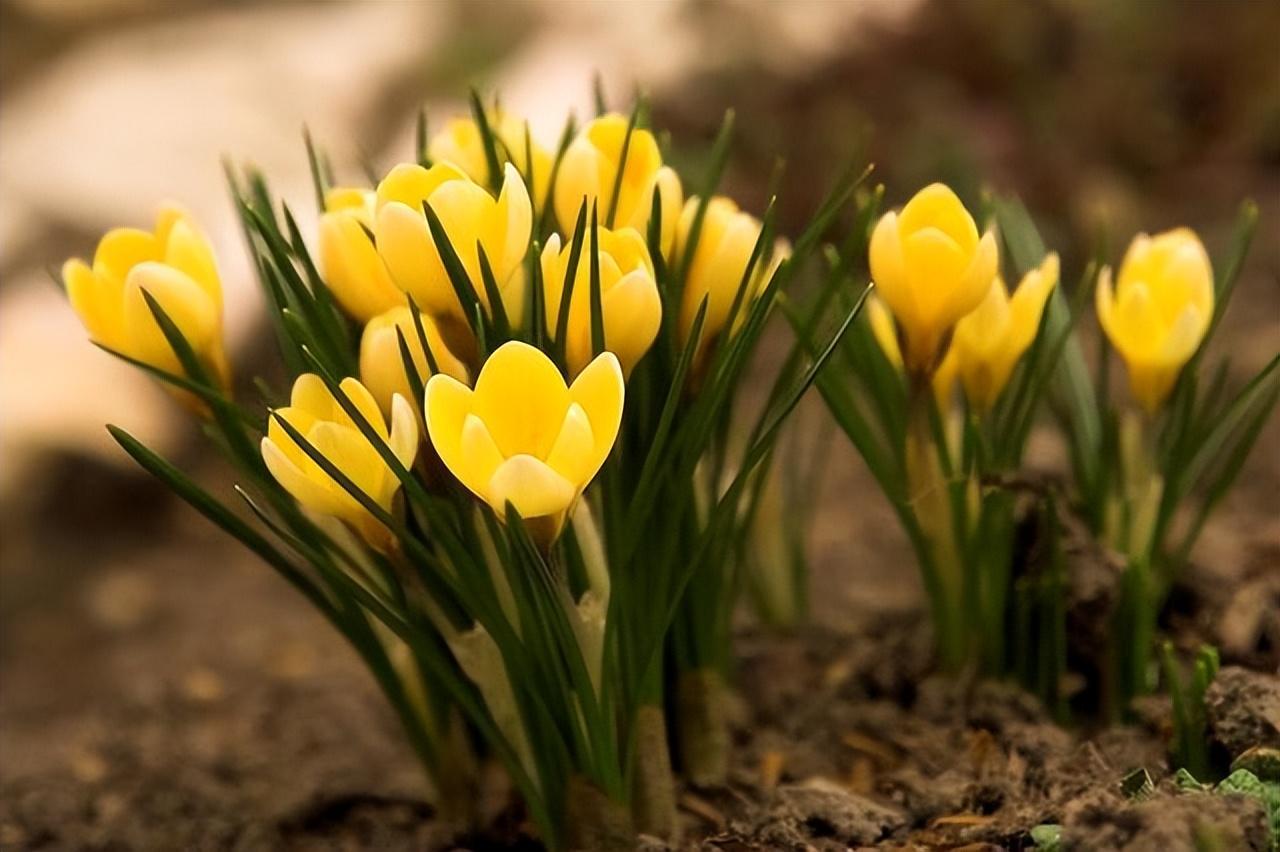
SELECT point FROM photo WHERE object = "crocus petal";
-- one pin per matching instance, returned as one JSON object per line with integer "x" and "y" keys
{"x": 533, "y": 488}
{"x": 307, "y": 491}
{"x": 121, "y": 249}
{"x": 480, "y": 453}
{"x": 188, "y": 251}
{"x": 513, "y": 226}
{"x": 936, "y": 206}
{"x": 448, "y": 402}
{"x": 403, "y": 437}
{"x": 574, "y": 452}
{"x": 522, "y": 399}
{"x": 599, "y": 389}
{"x": 98, "y": 302}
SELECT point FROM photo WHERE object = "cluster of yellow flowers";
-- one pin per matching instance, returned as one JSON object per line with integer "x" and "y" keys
{"x": 943, "y": 310}
{"x": 523, "y": 435}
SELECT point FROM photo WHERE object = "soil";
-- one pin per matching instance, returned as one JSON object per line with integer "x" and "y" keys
{"x": 155, "y": 701}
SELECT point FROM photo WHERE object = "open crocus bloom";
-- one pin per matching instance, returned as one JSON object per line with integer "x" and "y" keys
{"x": 461, "y": 144}
{"x": 522, "y": 436}
{"x": 321, "y": 420}
{"x": 1158, "y": 311}
{"x": 589, "y": 172}
{"x": 352, "y": 268}
{"x": 988, "y": 342}
{"x": 629, "y": 302}
{"x": 471, "y": 217}
{"x": 174, "y": 264}
{"x": 930, "y": 268}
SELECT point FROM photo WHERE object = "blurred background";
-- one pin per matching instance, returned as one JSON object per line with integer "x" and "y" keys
{"x": 150, "y": 672}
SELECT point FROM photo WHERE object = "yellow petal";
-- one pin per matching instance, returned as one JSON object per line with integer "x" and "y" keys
{"x": 534, "y": 489}
{"x": 632, "y": 311}
{"x": 183, "y": 300}
{"x": 981, "y": 271}
{"x": 882, "y": 327}
{"x": 410, "y": 184}
{"x": 189, "y": 251}
{"x": 522, "y": 399}
{"x": 311, "y": 394}
{"x": 404, "y": 242}
{"x": 936, "y": 206}
{"x": 577, "y": 183}
{"x": 511, "y": 228}
{"x": 889, "y": 270}
{"x": 460, "y": 144}
{"x": 98, "y": 302}
{"x": 307, "y": 491}
{"x": 670, "y": 201}
{"x": 573, "y": 455}
{"x": 448, "y": 402}
{"x": 364, "y": 402}
{"x": 353, "y": 269}
{"x": 403, "y": 437}
{"x": 480, "y": 454}
{"x": 121, "y": 249}
{"x": 600, "y": 390}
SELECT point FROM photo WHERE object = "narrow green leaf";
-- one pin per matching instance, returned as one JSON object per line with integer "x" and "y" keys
{"x": 501, "y": 326}
{"x": 488, "y": 140}
{"x": 457, "y": 273}
{"x": 597, "y": 309}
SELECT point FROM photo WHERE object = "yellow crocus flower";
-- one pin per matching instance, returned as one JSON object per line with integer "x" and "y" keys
{"x": 930, "y": 268}
{"x": 523, "y": 436}
{"x": 349, "y": 261}
{"x": 175, "y": 264}
{"x": 719, "y": 261}
{"x": 988, "y": 342}
{"x": 629, "y": 300}
{"x": 1159, "y": 310}
{"x": 589, "y": 172}
{"x": 460, "y": 143}
{"x": 320, "y": 419}
{"x": 382, "y": 366}
{"x": 471, "y": 217}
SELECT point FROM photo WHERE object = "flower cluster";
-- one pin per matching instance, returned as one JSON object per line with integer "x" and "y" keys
{"x": 943, "y": 316}
{"x": 509, "y": 370}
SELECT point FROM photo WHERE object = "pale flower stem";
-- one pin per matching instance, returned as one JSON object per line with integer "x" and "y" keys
{"x": 1143, "y": 485}
{"x": 928, "y": 494}
{"x": 591, "y": 544}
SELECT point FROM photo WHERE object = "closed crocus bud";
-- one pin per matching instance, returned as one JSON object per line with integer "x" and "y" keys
{"x": 382, "y": 364}
{"x": 522, "y": 436}
{"x": 471, "y": 217}
{"x": 930, "y": 268}
{"x": 988, "y": 342}
{"x": 175, "y": 265}
{"x": 725, "y": 243}
{"x": 321, "y": 420}
{"x": 1158, "y": 311}
{"x": 629, "y": 302}
{"x": 589, "y": 172}
{"x": 461, "y": 144}
{"x": 349, "y": 261}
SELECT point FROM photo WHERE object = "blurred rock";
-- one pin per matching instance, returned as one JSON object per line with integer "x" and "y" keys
{"x": 1244, "y": 709}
